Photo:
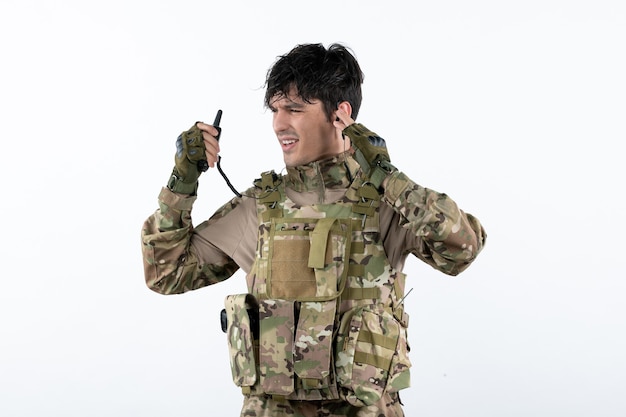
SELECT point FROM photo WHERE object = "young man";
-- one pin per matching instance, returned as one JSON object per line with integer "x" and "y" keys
{"x": 322, "y": 330}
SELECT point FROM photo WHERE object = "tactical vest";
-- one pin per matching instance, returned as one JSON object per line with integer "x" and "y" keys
{"x": 324, "y": 316}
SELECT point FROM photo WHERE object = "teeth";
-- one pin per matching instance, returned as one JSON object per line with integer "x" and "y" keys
{"x": 288, "y": 142}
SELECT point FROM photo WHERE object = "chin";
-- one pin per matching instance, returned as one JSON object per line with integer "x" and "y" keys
{"x": 291, "y": 162}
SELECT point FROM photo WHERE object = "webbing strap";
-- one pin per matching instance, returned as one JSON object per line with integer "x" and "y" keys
{"x": 368, "y": 191}
{"x": 378, "y": 340}
{"x": 356, "y": 270}
{"x": 319, "y": 242}
{"x": 382, "y": 171}
{"x": 357, "y": 247}
{"x": 360, "y": 293}
{"x": 271, "y": 213}
{"x": 368, "y": 200}
{"x": 271, "y": 197}
{"x": 311, "y": 383}
{"x": 374, "y": 360}
{"x": 269, "y": 182}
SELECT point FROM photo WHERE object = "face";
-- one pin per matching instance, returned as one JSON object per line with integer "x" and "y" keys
{"x": 303, "y": 132}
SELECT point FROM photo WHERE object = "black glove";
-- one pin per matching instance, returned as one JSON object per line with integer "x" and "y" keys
{"x": 189, "y": 150}
{"x": 370, "y": 151}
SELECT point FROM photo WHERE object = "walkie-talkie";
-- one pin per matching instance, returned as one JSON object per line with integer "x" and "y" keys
{"x": 203, "y": 165}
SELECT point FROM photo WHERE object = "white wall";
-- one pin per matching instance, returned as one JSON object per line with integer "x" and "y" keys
{"x": 515, "y": 109}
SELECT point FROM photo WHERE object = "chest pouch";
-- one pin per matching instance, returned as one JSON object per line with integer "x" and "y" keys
{"x": 308, "y": 258}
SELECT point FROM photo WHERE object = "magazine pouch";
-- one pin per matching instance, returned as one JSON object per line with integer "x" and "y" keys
{"x": 276, "y": 321}
{"x": 313, "y": 344}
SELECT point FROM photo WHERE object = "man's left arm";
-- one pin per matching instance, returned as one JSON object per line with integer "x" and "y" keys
{"x": 451, "y": 238}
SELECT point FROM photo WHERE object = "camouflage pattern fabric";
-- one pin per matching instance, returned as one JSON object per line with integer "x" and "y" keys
{"x": 313, "y": 343}
{"x": 276, "y": 319}
{"x": 327, "y": 261}
{"x": 351, "y": 277}
{"x": 240, "y": 339}
{"x": 372, "y": 347}
{"x": 169, "y": 266}
{"x": 453, "y": 238}
{"x": 264, "y": 406}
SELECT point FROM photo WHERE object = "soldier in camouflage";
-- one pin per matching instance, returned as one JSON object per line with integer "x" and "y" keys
{"x": 322, "y": 329}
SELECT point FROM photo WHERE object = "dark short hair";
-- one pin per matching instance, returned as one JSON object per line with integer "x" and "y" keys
{"x": 330, "y": 75}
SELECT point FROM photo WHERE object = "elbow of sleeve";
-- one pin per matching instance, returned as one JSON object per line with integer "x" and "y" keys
{"x": 471, "y": 253}
{"x": 455, "y": 268}
{"x": 481, "y": 238}
{"x": 153, "y": 281}
{"x": 160, "y": 277}
{"x": 470, "y": 242}
{"x": 452, "y": 261}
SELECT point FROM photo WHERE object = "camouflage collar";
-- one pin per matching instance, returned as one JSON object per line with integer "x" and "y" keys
{"x": 336, "y": 172}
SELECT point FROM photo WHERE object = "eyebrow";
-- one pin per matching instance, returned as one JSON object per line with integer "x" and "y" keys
{"x": 288, "y": 104}
{"x": 294, "y": 105}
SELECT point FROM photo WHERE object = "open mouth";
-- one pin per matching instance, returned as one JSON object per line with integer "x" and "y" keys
{"x": 288, "y": 143}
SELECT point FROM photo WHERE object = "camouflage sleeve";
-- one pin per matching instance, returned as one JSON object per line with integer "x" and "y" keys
{"x": 171, "y": 265}
{"x": 451, "y": 238}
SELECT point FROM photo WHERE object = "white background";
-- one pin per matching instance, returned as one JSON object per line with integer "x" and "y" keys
{"x": 513, "y": 108}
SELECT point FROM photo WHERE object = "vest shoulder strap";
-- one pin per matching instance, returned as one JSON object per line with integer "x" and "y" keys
{"x": 271, "y": 192}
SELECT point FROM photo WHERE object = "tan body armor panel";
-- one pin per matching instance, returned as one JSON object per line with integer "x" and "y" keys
{"x": 324, "y": 317}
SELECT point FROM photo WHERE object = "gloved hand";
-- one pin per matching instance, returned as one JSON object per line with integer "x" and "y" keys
{"x": 190, "y": 149}
{"x": 370, "y": 151}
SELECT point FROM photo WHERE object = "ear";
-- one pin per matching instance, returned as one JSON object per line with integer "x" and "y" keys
{"x": 345, "y": 106}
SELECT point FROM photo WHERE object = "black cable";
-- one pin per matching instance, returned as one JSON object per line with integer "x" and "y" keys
{"x": 219, "y": 168}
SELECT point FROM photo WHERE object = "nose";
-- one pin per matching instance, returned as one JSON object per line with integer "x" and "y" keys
{"x": 279, "y": 121}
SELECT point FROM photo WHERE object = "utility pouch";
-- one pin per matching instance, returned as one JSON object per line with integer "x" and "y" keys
{"x": 371, "y": 355}
{"x": 308, "y": 258}
{"x": 276, "y": 322}
{"x": 239, "y": 332}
